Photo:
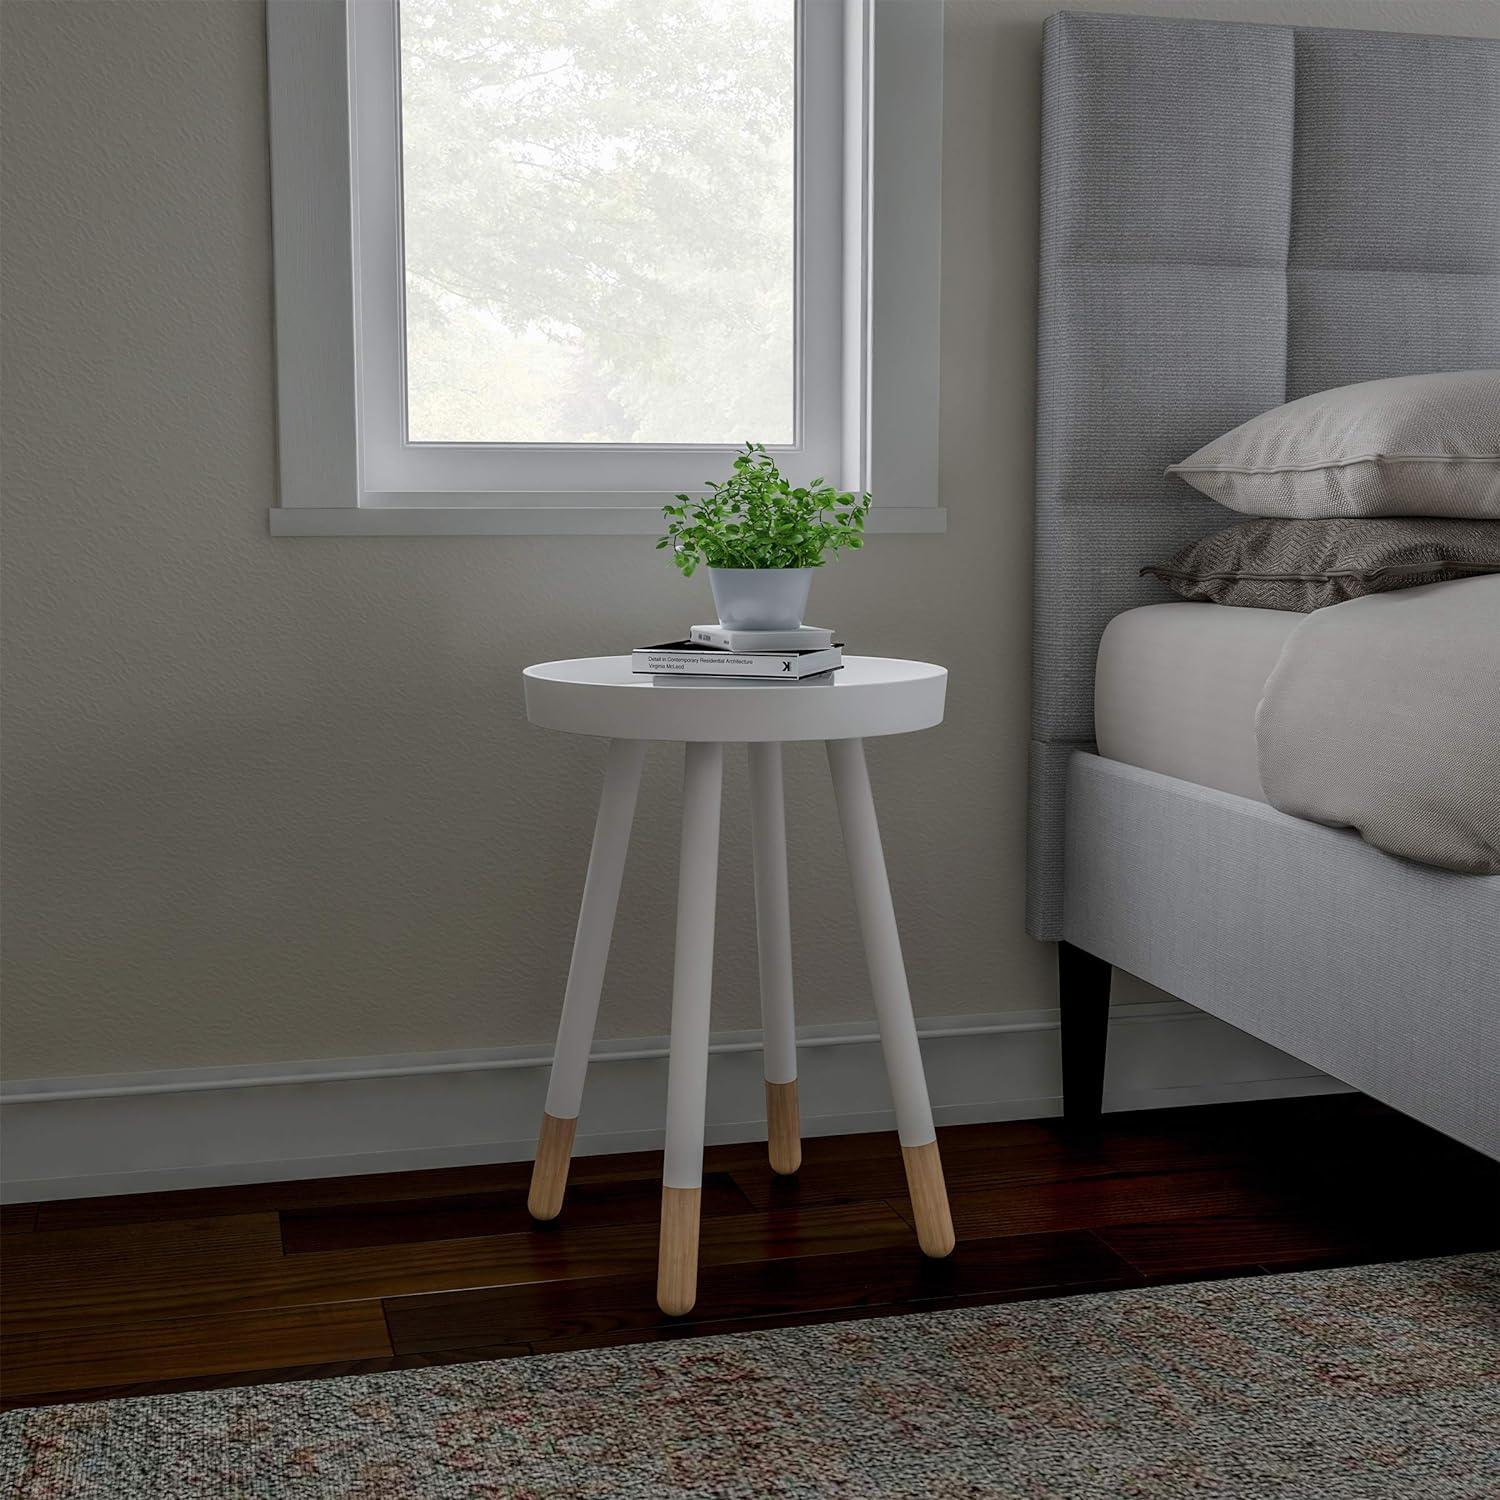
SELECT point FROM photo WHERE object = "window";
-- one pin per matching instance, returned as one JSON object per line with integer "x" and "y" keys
{"x": 541, "y": 263}
{"x": 597, "y": 238}
{"x": 599, "y": 227}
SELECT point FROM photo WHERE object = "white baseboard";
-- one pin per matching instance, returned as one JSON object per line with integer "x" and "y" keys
{"x": 201, "y": 1127}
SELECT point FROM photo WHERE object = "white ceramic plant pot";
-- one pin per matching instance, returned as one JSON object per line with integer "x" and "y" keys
{"x": 760, "y": 598}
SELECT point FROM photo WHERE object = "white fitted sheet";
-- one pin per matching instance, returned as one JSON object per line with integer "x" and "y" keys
{"x": 1176, "y": 687}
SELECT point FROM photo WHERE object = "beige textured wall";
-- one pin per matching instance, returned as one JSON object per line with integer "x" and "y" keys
{"x": 277, "y": 799}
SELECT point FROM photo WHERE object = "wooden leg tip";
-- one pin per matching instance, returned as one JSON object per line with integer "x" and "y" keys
{"x": 783, "y": 1128}
{"x": 786, "y": 1164}
{"x": 937, "y": 1243}
{"x": 677, "y": 1264}
{"x": 549, "y": 1174}
{"x": 929, "y": 1200}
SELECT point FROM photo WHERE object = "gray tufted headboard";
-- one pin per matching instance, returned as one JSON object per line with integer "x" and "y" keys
{"x": 1232, "y": 216}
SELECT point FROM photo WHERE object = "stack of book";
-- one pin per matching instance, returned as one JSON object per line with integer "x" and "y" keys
{"x": 716, "y": 654}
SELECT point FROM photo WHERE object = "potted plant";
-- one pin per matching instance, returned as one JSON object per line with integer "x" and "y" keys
{"x": 760, "y": 538}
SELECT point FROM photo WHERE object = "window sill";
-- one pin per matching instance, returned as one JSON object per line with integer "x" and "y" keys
{"x": 549, "y": 520}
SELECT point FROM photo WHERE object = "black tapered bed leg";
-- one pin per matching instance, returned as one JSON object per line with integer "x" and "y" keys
{"x": 1083, "y": 999}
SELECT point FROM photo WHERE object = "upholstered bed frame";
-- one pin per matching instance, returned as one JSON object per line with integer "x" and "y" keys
{"x": 1234, "y": 216}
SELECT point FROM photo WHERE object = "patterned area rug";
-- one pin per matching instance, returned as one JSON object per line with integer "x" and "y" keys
{"x": 1354, "y": 1384}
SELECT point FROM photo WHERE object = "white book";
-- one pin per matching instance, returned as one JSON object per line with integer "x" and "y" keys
{"x": 683, "y": 657}
{"x": 681, "y": 679}
{"x": 722, "y": 638}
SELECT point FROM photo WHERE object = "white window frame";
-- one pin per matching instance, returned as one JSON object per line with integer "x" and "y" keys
{"x": 867, "y": 407}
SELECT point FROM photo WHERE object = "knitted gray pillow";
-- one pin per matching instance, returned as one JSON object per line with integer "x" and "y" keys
{"x": 1305, "y": 565}
{"x": 1418, "y": 445}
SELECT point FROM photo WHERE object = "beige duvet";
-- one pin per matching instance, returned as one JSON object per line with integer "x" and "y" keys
{"x": 1383, "y": 715}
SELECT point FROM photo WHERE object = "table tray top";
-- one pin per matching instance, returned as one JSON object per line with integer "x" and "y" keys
{"x": 869, "y": 696}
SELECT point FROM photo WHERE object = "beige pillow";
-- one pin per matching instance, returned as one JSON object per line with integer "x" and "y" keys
{"x": 1418, "y": 445}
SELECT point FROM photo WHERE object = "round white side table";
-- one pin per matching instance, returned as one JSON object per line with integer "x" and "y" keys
{"x": 601, "y": 696}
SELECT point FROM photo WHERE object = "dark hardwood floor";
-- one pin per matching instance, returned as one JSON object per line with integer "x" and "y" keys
{"x": 187, "y": 1290}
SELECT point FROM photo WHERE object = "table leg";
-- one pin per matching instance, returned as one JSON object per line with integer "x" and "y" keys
{"x": 692, "y": 982}
{"x": 773, "y": 933}
{"x": 898, "y": 1031}
{"x": 580, "y": 1009}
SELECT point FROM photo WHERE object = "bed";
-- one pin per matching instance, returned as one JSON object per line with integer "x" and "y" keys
{"x": 1234, "y": 216}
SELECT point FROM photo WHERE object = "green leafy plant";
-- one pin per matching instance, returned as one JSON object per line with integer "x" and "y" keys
{"x": 757, "y": 519}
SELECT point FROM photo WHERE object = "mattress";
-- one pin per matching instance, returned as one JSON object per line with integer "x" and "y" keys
{"x": 1176, "y": 687}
